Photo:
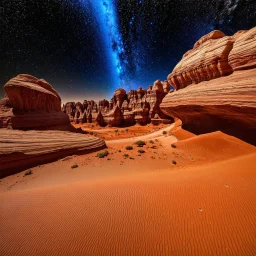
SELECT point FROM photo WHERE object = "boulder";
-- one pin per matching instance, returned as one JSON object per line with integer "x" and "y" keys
{"x": 32, "y": 104}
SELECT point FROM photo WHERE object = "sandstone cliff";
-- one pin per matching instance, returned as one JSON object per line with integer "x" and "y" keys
{"x": 214, "y": 91}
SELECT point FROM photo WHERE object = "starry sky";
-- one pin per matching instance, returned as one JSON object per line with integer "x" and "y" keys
{"x": 88, "y": 48}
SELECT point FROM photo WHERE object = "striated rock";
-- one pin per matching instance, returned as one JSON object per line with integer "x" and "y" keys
{"x": 227, "y": 104}
{"x": 137, "y": 106}
{"x": 213, "y": 56}
{"x": 207, "y": 60}
{"x": 20, "y": 150}
{"x": 28, "y": 93}
{"x": 125, "y": 109}
{"x": 32, "y": 104}
{"x": 243, "y": 54}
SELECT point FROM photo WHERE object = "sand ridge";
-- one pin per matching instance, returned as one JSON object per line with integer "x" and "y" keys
{"x": 136, "y": 205}
{"x": 173, "y": 213}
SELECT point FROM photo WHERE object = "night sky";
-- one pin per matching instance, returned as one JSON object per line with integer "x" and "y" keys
{"x": 88, "y": 48}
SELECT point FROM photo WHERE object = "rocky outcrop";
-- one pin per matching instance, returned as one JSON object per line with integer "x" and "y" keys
{"x": 213, "y": 56}
{"x": 5, "y": 112}
{"x": 119, "y": 97}
{"x": 85, "y": 112}
{"x": 20, "y": 150}
{"x": 139, "y": 106}
{"x": 206, "y": 61}
{"x": 243, "y": 54}
{"x": 104, "y": 105}
{"x": 227, "y": 103}
{"x": 31, "y": 103}
{"x": 114, "y": 117}
{"x": 125, "y": 109}
{"x": 80, "y": 114}
{"x": 70, "y": 109}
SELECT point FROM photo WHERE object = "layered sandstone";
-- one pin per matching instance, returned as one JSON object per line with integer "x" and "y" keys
{"x": 207, "y": 60}
{"x": 213, "y": 56}
{"x": 124, "y": 109}
{"x": 20, "y": 150}
{"x": 227, "y": 103}
{"x": 85, "y": 112}
{"x": 243, "y": 54}
{"x": 31, "y": 103}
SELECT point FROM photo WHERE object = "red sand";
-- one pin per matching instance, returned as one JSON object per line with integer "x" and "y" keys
{"x": 204, "y": 205}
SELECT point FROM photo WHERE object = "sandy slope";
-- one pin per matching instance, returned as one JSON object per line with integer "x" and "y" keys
{"x": 204, "y": 205}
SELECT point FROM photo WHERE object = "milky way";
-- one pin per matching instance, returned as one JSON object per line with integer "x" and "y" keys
{"x": 104, "y": 12}
{"x": 89, "y": 48}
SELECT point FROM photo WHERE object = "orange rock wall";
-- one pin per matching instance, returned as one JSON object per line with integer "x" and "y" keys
{"x": 227, "y": 103}
{"x": 213, "y": 56}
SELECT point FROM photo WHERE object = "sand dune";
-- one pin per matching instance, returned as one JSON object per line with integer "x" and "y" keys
{"x": 154, "y": 135}
{"x": 215, "y": 146}
{"x": 207, "y": 211}
{"x": 204, "y": 205}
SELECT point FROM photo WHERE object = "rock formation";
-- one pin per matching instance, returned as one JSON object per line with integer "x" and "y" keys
{"x": 124, "y": 109}
{"x": 243, "y": 54}
{"x": 31, "y": 103}
{"x": 85, "y": 112}
{"x": 70, "y": 109}
{"x": 207, "y": 60}
{"x": 222, "y": 95}
{"x": 20, "y": 150}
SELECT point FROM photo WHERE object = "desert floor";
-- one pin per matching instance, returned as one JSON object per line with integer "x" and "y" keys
{"x": 185, "y": 195}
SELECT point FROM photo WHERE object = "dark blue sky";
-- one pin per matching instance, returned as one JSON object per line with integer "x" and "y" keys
{"x": 87, "y": 48}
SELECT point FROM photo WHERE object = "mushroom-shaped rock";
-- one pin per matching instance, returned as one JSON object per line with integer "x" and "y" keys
{"x": 34, "y": 105}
